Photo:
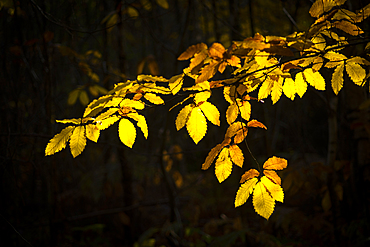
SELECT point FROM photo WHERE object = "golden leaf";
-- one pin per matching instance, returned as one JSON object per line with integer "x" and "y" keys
{"x": 236, "y": 155}
{"x": 251, "y": 173}
{"x": 132, "y": 103}
{"x": 141, "y": 122}
{"x": 216, "y": 51}
{"x": 196, "y": 125}
{"x": 232, "y": 113}
{"x": 301, "y": 84}
{"x": 230, "y": 94}
{"x": 223, "y": 165}
{"x": 208, "y": 71}
{"x": 175, "y": 83}
{"x": 153, "y": 98}
{"x": 356, "y": 73}
{"x": 240, "y": 135}
{"x": 163, "y": 3}
{"x": 317, "y": 63}
{"x": 315, "y": 79}
{"x": 274, "y": 189}
{"x": 277, "y": 90}
{"x": 59, "y": 141}
{"x": 245, "y": 109}
{"x": 348, "y": 27}
{"x": 182, "y": 117}
{"x": 275, "y": 163}
{"x": 98, "y": 104}
{"x": 273, "y": 176}
{"x": 105, "y": 123}
{"x": 151, "y": 78}
{"x": 233, "y": 129}
{"x": 255, "y": 123}
{"x": 72, "y": 120}
{"x": 92, "y": 132}
{"x": 78, "y": 141}
{"x": 244, "y": 192}
{"x": 265, "y": 89}
{"x": 202, "y": 96}
{"x": 263, "y": 203}
{"x": 126, "y": 132}
{"x": 106, "y": 114}
{"x": 321, "y": 6}
{"x": 192, "y": 50}
{"x": 211, "y": 112}
{"x": 289, "y": 88}
{"x": 198, "y": 59}
{"x": 337, "y": 78}
{"x": 211, "y": 156}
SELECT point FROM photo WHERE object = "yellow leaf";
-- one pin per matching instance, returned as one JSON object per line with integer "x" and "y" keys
{"x": 251, "y": 173}
{"x": 300, "y": 83}
{"x": 132, "y": 12}
{"x": 192, "y": 50}
{"x": 274, "y": 189}
{"x": 277, "y": 90}
{"x": 240, "y": 135}
{"x": 245, "y": 109}
{"x": 208, "y": 71}
{"x": 175, "y": 83}
{"x": 255, "y": 123}
{"x": 272, "y": 175}
{"x": 289, "y": 88}
{"x": 315, "y": 79}
{"x": 92, "y": 132}
{"x": 72, "y": 96}
{"x": 96, "y": 104}
{"x": 321, "y": 6}
{"x": 202, "y": 96}
{"x": 356, "y": 73}
{"x": 265, "y": 89}
{"x": 105, "y": 123}
{"x": 334, "y": 56}
{"x": 78, "y": 141}
{"x": 337, "y": 79}
{"x": 244, "y": 192}
{"x": 163, "y": 3}
{"x": 236, "y": 155}
{"x": 232, "y": 113}
{"x": 84, "y": 98}
{"x": 317, "y": 64}
{"x": 182, "y": 117}
{"x": 197, "y": 61}
{"x": 275, "y": 163}
{"x": 233, "y": 129}
{"x": 348, "y": 27}
{"x": 126, "y": 132}
{"x": 59, "y": 141}
{"x": 141, "y": 122}
{"x": 211, "y": 156}
{"x": 211, "y": 112}
{"x": 230, "y": 94}
{"x": 263, "y": 203}
{"x": 72, "y": 120}
{"x": 196, "y": 125}
{"x": 132, "y": 103}
{"x": 223, "y": 165}
{"x": 153, "y": 98}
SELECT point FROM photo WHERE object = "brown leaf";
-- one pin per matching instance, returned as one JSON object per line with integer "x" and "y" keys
{"x": 192, "y": 50}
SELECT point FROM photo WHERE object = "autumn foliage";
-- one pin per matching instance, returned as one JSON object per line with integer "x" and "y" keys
{"x": 260, "y": 66}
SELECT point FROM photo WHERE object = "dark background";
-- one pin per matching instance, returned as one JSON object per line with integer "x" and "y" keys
{"x": 156, "y": 193}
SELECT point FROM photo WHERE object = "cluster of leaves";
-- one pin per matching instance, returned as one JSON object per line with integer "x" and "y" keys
{"x": 271, "y": 65}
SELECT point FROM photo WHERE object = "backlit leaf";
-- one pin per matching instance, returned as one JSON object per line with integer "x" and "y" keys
{"x": 211, "y": 156}
{"x": 132, "y": 103}
{"x": 240, "y": 135}
{"x": 84, "y": 98}
{"x": 211, "y": 112}
{"x": 72, "y": 120}
{"x": 251, "y": 173}
{"x": 230, "y": 94}
{"x": 255, "y": 123}
{"x": 216, "y": 51}
{"x": 315, "y": 79}
{"x": 277, "y": 90}
{"x": 59, "y": 141}
{"x": 141, "y": 122}
{"x": 192, "y": 50}
{"x": 245, "y": 109}
{"x": 273, "y": 176}
{"x": 244, "y": 192}
{"x": 208, "y": 71}
{"x": 232, "y": 113}
{"x": 72, "y": 96}
{"x": 275, "y": 163}
{"x": 92, "y": 132}
{"x": 300, "y": 83}
{"x": 356, "y": 73}
{"x": 289, "y": 88}
{"x": 263, "y": 203}
{"x": 175, "y": 83}
{"x": 321, "y": 6}
{"x": 337, "y": 78}
{"x": 105, "y": 123}
{"x": 348, "y": 27}
{"x": 126, "y": 132}
{"x": 153, "y": 98}
{"x": 233, "y": 129}
{"x": 236, "y": 155}
{"x": 182, "y": 117}
{"x": 196, "y": 125}
{"x": 163, "y": 3}
{"x": 223, "y": 165}
{"x": 78, "y": 141}
{"x": 202, "y": 96}
{"x": 265, "y": 89}
{"x": 275, "y": 190}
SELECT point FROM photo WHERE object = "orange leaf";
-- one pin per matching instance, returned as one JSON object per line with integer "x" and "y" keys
{"x": 275, "y": 163}
{"x": 216, "y": 51}
{"x": 273, "y": 176}
{"x": 191, "y": 51}
{"x": 251, "y": 173}
{"x": 255, "y": 123}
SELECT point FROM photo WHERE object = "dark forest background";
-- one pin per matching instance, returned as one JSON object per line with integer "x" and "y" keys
{"x": 56, "y": 56}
